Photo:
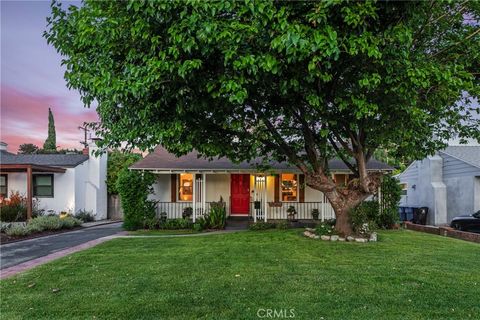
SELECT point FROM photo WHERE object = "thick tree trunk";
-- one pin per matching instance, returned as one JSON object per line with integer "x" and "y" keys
{"x": 343, "y": 199}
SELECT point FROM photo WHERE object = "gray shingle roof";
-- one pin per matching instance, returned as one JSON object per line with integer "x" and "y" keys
{"x": 160, "y": 159}
{"x": 55, "y": 160}
{"x": 468, "y": 153}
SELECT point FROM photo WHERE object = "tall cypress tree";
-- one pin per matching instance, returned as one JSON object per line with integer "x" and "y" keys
{"x": 51, "y": 142}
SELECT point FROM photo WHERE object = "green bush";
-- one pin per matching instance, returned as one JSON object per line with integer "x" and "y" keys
{"x": 366, "y": 212}
{"x": 152, "y": 223}
{"x": 282, "y": 225}
{"x": 217, "y": 215}
{"x": 84, "y": 215}
{"x": 201, "y": 223}
{"x": 325, "y": 229}
{"x": 17, "y": 231}
{"x": 70, "y": 222}
{"x": 391, "y": 193}
{"x": 134, "y": 188}
{"x": 175, "y": 224}
{"x": 261, "y": 225}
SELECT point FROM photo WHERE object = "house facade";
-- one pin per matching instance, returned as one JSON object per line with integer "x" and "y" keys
{"x": 190, "y": 181}
{"x": 58, "y": 182}
{"x": 448, "y": 183}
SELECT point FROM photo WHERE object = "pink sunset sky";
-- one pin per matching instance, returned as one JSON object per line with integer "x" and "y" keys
{"x": 32, "y": 81}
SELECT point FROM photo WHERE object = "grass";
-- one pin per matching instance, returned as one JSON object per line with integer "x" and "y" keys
{"x": 407, "y": 275}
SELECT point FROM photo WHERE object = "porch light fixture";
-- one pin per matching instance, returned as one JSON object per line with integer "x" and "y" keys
{"x": 260, "y": 178}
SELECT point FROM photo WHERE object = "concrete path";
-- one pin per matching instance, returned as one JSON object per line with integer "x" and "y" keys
{"x": 15, "y": 253}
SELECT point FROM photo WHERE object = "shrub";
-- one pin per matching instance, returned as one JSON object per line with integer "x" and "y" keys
{"x": 134, "y": 188}
{"x": 366, "y": 212}
{"x": 84, "y": 215}
{"x": 325, "y": 229}
{"x": 14, "y": 209}
{"x": 17, "y": 231}
{"x": 261, "y": 225}
{"x": 152, "y": 223}
{"x": 217, "y": 215}
{"x": 391, "y": 193}
{"x": 70, "y": 222}
{"x": 201, "y": 223}
{"x": 175, "y": 224}
{"x": 282, "y": 225}
{"x": 46, "y": 223}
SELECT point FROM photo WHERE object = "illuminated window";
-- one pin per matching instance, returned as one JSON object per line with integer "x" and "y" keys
{"x": 289, "y": 186}
{"x": 185, "y": 192}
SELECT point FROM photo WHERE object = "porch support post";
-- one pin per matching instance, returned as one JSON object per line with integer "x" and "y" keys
{"x": 323, "y": 207}
{"x": 194, "y": 197}
{"x": 265, "y": 193}
{"x": 29, "y": 193}
{"x": 204, "y": 193}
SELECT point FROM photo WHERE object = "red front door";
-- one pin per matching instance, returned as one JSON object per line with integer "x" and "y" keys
{"x": 240, "y": 193}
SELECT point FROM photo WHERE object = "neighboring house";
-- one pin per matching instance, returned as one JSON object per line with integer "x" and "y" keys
{"x": 448, "y": 183}
{"x": 59, "y": 182}
{"x": 189, "y": 181}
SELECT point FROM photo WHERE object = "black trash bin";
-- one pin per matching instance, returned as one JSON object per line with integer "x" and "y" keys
{"x": 420, "y": 215}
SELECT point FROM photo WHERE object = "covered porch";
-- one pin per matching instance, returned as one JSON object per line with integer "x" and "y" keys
{"x": 254, "y": 195}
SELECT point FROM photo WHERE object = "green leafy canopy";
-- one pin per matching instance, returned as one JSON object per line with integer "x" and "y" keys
{"x": 296, "y": 81}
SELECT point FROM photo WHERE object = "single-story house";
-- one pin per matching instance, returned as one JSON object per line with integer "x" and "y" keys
{"x": 59, "y": 182}
{"x": 196, "y": 182}
{"x": 448, "y": 183}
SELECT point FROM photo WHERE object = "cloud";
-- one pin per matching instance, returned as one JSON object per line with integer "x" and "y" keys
{"x": 24, "y": 119}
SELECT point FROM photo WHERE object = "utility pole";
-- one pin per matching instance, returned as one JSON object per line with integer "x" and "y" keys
{"x": 85, "y": 131}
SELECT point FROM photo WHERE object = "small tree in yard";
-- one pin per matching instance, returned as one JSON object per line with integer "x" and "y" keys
{"x": 291, "y": 81}
{"x": 134, "y": 188}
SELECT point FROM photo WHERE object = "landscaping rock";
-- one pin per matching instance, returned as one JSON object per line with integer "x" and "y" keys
{"x": 310, "y": 229}
{"x": 327, "y": 238}
{"x": 373, "y": 237}
{"x": 350, "y": 238}
{"x": 361, "y": 240}
{"x": 334, "y": 238}
{"x": 317, "y": 237}
{"x": 341, "y": 239}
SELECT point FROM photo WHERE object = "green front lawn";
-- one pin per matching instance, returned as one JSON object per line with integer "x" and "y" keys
{"x": 407, "y": 275}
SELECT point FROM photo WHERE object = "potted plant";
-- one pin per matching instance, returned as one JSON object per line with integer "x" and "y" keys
{"x": 187, "y": 213}
{"x": 315, "y": 214}
{"x": 291, "y": 212}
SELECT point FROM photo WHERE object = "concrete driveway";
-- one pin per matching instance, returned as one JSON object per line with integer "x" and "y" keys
{"x": 18, "y": 252}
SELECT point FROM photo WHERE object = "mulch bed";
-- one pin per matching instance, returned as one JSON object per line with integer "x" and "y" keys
{"x": 4, "y": 239}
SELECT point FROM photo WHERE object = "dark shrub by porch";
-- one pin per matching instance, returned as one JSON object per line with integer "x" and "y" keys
{"x": 134, "y": 188}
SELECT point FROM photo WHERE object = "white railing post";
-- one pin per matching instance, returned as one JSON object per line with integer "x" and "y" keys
{"x": 194, "y": 197}
{"x": 323, "y": 208}
{"x": 204, "y": 193}
{"x": 265, "y": 194}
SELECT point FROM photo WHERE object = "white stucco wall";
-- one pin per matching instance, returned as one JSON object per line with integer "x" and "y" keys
{"x": 161, "y": 188}
{"x": 82, "y": 187}
{"x": 63, "y": 190}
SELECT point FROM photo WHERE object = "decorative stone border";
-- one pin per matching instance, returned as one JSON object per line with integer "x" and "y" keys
{"x": 310, "y": 233}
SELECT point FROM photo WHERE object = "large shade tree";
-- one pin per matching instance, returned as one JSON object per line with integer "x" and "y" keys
{"x": 294, "y": 81}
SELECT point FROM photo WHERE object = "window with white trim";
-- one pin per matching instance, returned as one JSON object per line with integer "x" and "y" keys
{"x": 185, "y": 190}
{"x": 289, "y": 187}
